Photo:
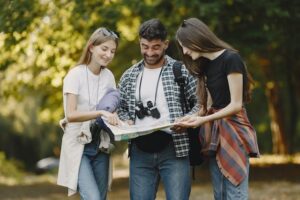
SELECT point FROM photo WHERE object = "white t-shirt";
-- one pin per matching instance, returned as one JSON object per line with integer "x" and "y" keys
{"x": 148, "y": 88}
{"x": 83, "y": 83}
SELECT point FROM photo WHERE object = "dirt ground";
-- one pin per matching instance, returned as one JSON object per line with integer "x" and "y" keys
{"x": 274, "y": 182}
{"x": 280, "y": 190}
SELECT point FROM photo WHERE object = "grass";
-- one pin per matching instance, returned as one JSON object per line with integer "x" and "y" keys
{"x": 271, "y": 178}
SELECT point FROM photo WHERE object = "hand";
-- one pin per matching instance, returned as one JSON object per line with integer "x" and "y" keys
{"x": 190, "y": 122}
{"x": 129, "y": 122}
{"x": 126, "y": 123}
{"x": 179, "y": 129}
{"x": 112, "y": 118}
{"x": 63, "y": 123}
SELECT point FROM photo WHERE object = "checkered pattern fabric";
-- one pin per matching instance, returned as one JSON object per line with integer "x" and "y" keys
{"x": 230, "y": 138}
{"x": 127, "y": 87}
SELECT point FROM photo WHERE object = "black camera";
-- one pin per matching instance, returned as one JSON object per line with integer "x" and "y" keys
{"x": 150, "y": 110}
{"x": 140, "y": 110}
{"x": 153, "y": 110}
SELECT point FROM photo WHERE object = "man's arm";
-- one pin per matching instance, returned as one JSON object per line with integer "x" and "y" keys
{"x": 123, "y": 110}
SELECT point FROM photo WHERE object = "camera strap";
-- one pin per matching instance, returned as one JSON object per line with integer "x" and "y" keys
{"x": 140, "y": 85}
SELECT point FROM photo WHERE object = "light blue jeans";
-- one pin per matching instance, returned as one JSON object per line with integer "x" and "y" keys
{"x": 146, "y": 170}
{"x": 223, "y": 188}
{"x": 93, "y": 177}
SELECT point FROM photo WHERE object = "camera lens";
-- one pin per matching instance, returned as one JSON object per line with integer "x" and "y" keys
{"x": 140, "y": 110}
{"x": 139, "y": 113}
{"x": 153, "y": 110}
{"x": 149, "y": 104}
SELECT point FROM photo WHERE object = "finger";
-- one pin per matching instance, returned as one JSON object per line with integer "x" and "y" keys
{"x": 185, "y": 124}
{"x": 111, "y": 121}
{"x": 176, "y": 129}
{"x": 118, "y": 122}
{"x": 180, "y": 129}
{"x": 129, "y": 122}
{"x": 115, "y": 120}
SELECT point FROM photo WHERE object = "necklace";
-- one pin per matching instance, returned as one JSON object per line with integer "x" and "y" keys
{"x": 88, "y": 85}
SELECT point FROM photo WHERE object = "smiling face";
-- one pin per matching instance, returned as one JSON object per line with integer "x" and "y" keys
{"x": 191, "y": 53}
{"x": 103, "y": 54}
{"x": 153, "y": 51}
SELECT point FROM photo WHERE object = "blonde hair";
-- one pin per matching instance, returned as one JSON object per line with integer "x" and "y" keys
{"x": 99, "y": 36}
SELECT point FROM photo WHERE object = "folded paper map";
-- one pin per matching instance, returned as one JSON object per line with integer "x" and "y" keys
{"x": 125, "y": 131}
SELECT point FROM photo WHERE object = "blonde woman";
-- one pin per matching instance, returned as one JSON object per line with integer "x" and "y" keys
{"x": 83, "y": 87}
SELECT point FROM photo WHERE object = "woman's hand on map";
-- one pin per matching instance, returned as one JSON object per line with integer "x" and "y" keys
{"x": 111, "y": 118}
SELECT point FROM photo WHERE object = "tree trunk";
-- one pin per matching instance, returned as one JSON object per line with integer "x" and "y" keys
{"x": 279, "y": 141}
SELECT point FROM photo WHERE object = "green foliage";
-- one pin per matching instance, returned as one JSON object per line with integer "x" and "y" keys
{"x": 40, "y": 40}
{"x": 10, "y": 168}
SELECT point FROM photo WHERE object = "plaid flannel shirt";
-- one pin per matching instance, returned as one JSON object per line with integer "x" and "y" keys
{"x": 229, "y": 138}
{"x": 127, "y": 87}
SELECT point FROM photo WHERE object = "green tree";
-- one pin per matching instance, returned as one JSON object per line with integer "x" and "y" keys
{"x": 40, "y": 40}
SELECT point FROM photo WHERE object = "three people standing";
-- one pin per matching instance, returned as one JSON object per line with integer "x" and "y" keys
{"x": 150, "y": 95}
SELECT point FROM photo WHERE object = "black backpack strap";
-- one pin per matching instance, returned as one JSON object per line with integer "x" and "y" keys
{"x": 180, "y": 80}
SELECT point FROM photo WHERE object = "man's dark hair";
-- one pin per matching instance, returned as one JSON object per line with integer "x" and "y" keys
{"x": 153, "y": 29}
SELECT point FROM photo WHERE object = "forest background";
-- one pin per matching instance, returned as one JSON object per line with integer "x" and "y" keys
{"x": 40, "y": 40}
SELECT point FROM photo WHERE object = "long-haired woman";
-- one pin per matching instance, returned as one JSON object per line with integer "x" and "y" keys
{"x": 84, "y": 85}
{"x": 227, "y": 137}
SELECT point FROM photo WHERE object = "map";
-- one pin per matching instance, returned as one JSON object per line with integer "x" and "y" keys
{"x": 126, "y": 132}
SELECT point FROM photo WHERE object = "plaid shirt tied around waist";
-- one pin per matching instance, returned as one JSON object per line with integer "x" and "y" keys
{"x": 229, "y": 139}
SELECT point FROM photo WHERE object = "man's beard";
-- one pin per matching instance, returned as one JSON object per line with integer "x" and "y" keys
{"x": 154, "y": 59}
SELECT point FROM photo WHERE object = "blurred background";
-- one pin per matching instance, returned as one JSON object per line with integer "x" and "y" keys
{"x": 40, "y": 40}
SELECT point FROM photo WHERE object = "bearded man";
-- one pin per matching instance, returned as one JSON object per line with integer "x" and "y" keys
{"x": 148, "y": 95}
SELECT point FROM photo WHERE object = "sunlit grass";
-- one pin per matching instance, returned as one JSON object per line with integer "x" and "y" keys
{"x": 8, "y": 181}
{"x": 28, "y": 179}
{"x": 269, "y": 159}
{"x": 121, "y": 164}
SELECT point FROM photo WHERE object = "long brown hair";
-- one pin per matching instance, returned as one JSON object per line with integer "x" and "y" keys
{"x": 99, "y": 36}
{"x": 195, "y": 35}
